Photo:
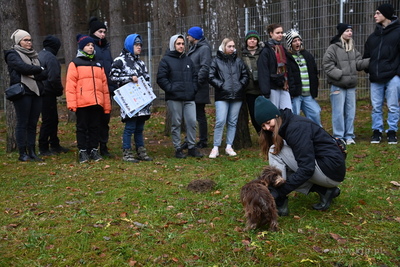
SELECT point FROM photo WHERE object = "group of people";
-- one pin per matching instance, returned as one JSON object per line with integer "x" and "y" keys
{"x": 276, "y": 83}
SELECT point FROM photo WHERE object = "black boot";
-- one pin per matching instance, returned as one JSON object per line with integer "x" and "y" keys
{"x": 32, "y": 154}
{"x": 194, "y": 152}
{"x": 282, "y": 206}
{"x": 23, "y": 156}
{"x": 326, "y": 195}
{"x": 104, "y": 150}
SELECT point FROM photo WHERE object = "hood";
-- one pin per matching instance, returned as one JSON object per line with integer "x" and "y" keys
{"x": 172, "y": 41}
{"x": 52, "y": 44}
{"x": 130, "y": 41}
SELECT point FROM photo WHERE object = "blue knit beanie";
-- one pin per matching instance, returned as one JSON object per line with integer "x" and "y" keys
{"x": 83, "y": 40}
{"x": 196, "y": 33}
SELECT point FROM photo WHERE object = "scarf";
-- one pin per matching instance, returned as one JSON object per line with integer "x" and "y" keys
{"x": 280, "y": 60}
{"x": 29, "y": 57}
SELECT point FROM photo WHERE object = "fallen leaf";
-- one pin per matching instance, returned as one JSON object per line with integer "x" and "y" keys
{"x": 317, "y": 249}
{"x": 338, "y": 238}
{"x": 123, "y": 215}
{"x": 245, "y": 242}
{"x": 397, "y": 219}
{"x": 395, "y": 183}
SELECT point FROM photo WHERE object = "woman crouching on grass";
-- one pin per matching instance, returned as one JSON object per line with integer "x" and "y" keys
{"x": 309, "y": 158}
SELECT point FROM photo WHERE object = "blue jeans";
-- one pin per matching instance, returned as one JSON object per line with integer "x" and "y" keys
{"x": 343, "y": 103}
{"x": 226, "y": 111}
{"x": 309, "y": 106}
{"x": 390, "y": 91}
{"x": 133, "y": 126}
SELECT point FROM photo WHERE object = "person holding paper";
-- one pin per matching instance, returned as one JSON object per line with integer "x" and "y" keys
{"x": 128, "y": 67}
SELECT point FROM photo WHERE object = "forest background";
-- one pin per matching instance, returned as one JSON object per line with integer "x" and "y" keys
{"x": 157, "y": 20}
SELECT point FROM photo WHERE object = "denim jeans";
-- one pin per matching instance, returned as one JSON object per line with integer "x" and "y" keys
{"x": 390, "y": 91}
{"x": 281, "y": 99}
{"x": 226, "y": 111}
{"x": 343, "y": 103}
{"x": 309, "y": 106}
{"x": 179, "y": 110}
{"x": 133, "y": 126}
{"x": 286, "y": 162}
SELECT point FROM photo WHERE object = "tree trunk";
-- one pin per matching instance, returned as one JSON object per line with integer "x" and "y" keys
{"x": 115, "y": 28}
{"x": 10, "y": 17}
{"x": 34, "y": 23}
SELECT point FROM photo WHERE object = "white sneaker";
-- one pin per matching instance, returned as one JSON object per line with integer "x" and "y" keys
{"x": 350, "y": 141}
{"x": 214, "y": 153}
{"x": 230, "y": 152}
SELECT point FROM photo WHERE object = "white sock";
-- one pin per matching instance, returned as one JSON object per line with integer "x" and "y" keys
{"x": 215, "y": 147}
{"x": 228, "y": 146}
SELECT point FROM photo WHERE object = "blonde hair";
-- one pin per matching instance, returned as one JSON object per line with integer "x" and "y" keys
{"x": 266, "y": 139}
{"x": 347, "y": 45}
{"x": 224, "y": 43}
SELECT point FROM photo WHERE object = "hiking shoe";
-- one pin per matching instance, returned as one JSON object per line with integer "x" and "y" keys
{"x": 179, "y": 154}
{"x": 350, "y": 141}
{"x": 391, "y": 137}
{"x": 230, "y": 152}
{"x": 201, "y": 144}
{"x": 59, "y": 150}
{"x": 194, "y": 152}
{"x": 127, "y": 155}
{"x": 376, "y": 137}
{"x": 83, "y": 156}
{"x": 214, "y": 153}
{"x": 142, "y": 154}
{"x": 94, "y": 155}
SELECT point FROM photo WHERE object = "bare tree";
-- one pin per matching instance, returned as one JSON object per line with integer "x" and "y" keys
{"x": 115, "y": 27}
{"x": 33, "y": 22}
{"x": 68, "y": 30}
{"x": 9, "y": 21}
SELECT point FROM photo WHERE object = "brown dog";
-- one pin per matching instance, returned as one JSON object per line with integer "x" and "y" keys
{"x": 258, "y": 203}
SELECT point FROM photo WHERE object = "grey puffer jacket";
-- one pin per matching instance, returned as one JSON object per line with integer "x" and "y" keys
{"x": 341, "y": 67}
{"x": 229, "y": 77}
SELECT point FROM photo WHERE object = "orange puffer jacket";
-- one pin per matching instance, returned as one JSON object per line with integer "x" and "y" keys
{"x": 87, "y": 84}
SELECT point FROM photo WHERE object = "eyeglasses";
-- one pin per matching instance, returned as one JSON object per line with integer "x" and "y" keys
{"x": 27, "y": 40}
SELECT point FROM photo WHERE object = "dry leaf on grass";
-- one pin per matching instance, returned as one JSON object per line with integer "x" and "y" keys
{"x": 395, "y": 183}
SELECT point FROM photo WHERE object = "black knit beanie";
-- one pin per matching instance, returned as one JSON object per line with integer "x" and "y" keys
{"x": 342, "y": 27}
{"x": 52, "y": 42}
{"x": 387, "y": 10}
{"x": 95, "y": 25}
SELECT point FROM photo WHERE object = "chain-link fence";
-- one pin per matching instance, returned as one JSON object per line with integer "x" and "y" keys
{"x": 316, "y": 21}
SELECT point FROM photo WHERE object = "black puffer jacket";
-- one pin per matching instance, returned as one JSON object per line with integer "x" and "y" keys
{"x": 177, "y": 76}
{"x": 383, "y": 47}
{"x": 52, "y": 86}
{"x": 229, "y": 77}
{"x": 295, "y": 88}
{"x": 310, "y": 143}
{"x": 16, "y": 67}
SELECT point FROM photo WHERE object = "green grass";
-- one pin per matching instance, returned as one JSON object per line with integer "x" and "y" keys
{"x": 114, "y": 213}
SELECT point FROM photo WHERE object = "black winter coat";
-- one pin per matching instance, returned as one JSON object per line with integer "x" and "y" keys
{"x": 16, "y": 67}
{"x": 177, "y": 76}
{"x": 295, "y": 88}
{"x": 52, "y": 85}
{"x": 229, "y": 77}
{"x": 310, "y": 143}
{"x": 200, "y": 54}
{"x": 383, "y": 49}
{"x": 103, "y": 54}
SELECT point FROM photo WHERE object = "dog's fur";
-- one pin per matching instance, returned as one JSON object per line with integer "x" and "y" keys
{"x": 258, "y": 203}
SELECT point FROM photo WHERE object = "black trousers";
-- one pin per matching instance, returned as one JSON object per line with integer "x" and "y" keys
{"x": 251, "y": 99}
{"x": 202, "y": 121}
{"x": 88, "y": 126}
{"x": 49, "y": 128}
{"x": 104, "y": 128}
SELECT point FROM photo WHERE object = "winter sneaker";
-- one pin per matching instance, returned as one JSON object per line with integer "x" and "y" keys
{"x": 214, "y": 153}
{"x": 83, "y": 156}
{"x": 376, "y": 137}
{"x": 45, "y": 153}
{"x": 127, "y": 155}
{"x": 350, "y": 141}
{"x": 194, "y": 152}
{"x": 104, "y": 150}
{"x": 179, "y": 154}
{"x": 94, "y": 155}
{"x": 391, "y": 137}
{"x": 230, "y": 152}
{"x": 142, "y": 154}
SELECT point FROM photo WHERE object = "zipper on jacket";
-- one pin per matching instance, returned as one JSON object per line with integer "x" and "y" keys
{"x": 94, "y": 82}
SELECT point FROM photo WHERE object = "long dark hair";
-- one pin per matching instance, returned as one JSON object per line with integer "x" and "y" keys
{"x": 266, "y": 139}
